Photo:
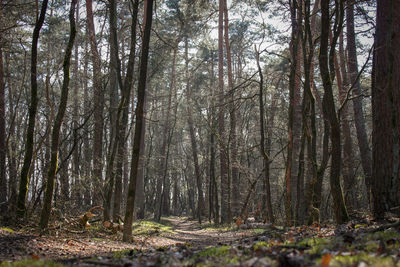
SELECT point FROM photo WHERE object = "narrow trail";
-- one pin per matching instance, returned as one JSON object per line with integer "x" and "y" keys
{"x": 189, "y": 231}
{"x": 63, "y": 244}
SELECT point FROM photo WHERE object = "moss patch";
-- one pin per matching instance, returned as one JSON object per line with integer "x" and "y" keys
{"x": 7, "y": 229}
{"x": 218, "y": 227}
{"x": 151, "y": 228}
{"x": 33, "y": 263}
{"x": 354, "y": 260}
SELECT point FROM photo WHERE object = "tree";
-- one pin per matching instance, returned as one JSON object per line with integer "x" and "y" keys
{"x": 294, "y": 48}
{"x": 98, "y": 102}
{"x": 24, "y": 182}
{"x": 225, "y": 185}
{"x": 234, "y": 179}
{"x": 263, "y": 151}
{"x": 55, "y": 137}
{"x": 130, "y": 204}
{"x": 359, "y": 120}
{"x": 200, "y": 197}
{"x": 385, "y": 109}
{"x": 3, "y": 147}
{"x": 327, "y": 74}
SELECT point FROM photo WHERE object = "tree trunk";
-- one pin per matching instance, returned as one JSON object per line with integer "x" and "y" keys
{"x": 294, "y": 43}
{"x": 327, "y": 75}
{"x": 359, "y": 119}
{"x": 349, "y": 182}
{"x": 385, "y": 109}
{"x": 266, "y": 159}
{"x": 87, "y": 155}
{"x": 24, "y": 182}
{"x": 3, "y": 145}
{"x": 200, "y": 200}
{"x": 232, "y": 112}
{"x": 45, "y": 214}
{"x": 309, "y": 118}
{"x": 124, "y": 109}
{"x": 75, "y": 156}
{"x": 147, "y": 19}
{"x": 225, "y": 187}
{"x": 98, "y": 103}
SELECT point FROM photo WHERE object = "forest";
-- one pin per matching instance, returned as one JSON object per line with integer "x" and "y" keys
{"x": 199, "y": 133}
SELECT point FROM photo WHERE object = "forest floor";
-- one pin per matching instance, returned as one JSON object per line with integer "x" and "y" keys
{"x": 183, "y": 242}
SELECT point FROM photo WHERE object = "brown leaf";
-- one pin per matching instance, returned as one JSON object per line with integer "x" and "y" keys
{"x": 238, "y": 222}
{"x": 326, "y": 259}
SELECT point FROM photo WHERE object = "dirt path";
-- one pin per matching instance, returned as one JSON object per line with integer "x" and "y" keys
{"x": 64, "y": 244}
{"x": 188, "y": 231}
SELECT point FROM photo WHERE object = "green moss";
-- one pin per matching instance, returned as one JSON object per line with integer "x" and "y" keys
{"x": 124, "y": 253}
{"x": 151, "y": 227}
{"x": 370, "y": 246}
{"x": 262, "y": 244}
{"x": 360, "y": 226}
{"x": 227, "y": 227}
{"x": 354, "y": 260}
{"x": 215, "y": 256}
{"x": 214, "y": 252}
{"x": 30, "y": 263}
{"x": 316, "y": 244}
{"x": 7, "y": 229}
{"x": 383, "y": 235}
{"x": 258, "y": 230}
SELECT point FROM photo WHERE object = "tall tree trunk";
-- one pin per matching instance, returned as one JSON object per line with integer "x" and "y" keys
{"x": 327, "y": 74}
{"x": 232, "y": 112}
{"x": 12, "y": 157}
{"x": 75, "y": 155}
{"x": 87, "y": 155}
{"x": 45, "y": 214}
{"x": 98, "y": 102}
{"x": 266, "y": 159}
{"x": 213, "y": 194}
{"x": 294, "y": 44}
{"x": 225, "y": 187}
{"x": 385, "y": 109}
{"x": 147, "y": 19}
{"x": 114, "y": 69}
{"x": 24, "y": 182}
{"x": 309, "y": 120}
{"x": 200, "y": 197}
{"x": 359, "y": 119}
{"x": 3, "y": 145}
{"x": 124, "y": 109}
{"x": 162, "y": 178}
{"x": 349, "y": 182}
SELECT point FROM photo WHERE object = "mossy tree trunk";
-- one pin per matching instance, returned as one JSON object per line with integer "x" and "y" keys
{"x": 24, "y": 182}
{"x": 45, "y": 214}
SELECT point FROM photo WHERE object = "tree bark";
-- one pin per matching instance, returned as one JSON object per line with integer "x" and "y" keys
{"x": 3, "y": 145}
{"x": 385, "y": 109}
{"x": 232, "y": 112}
{"x": 24, "y": 182}
{"x": 225, "y": 188}
{"x": 266, "y": 159}
{"x": 45, "y": 214}
{"x": 75, "y": 156}
{"x": 327, "y": 74}
{"x": 349, "y": 183}
{"x": 294, "y": 43}
{"x": 200, "y": 197}
{"x": 359, "y": 119}
{"x": 98, "y": 102}
{"x": 147, "y": 19}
